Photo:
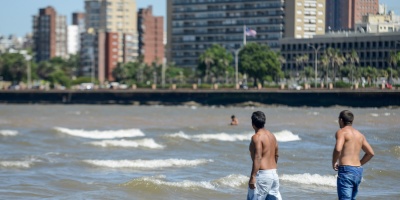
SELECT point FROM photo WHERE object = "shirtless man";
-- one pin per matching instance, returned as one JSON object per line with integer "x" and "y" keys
{"x": 345, "y": 158}
{"x": 234, "y": 121}
{"x": 264, "y": 181}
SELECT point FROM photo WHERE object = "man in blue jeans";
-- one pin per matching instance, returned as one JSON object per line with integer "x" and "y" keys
{"x": 264, "y": 181}
{"x": 345, "y": 158}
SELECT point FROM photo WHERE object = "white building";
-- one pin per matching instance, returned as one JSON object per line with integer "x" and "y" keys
{"x": 73, "y": 39}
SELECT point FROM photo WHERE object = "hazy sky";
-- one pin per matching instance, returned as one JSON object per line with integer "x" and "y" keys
{"x": 16, "y": 15}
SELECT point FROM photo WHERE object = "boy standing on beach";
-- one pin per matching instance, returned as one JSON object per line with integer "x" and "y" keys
{"x": 264, "y": 181}
{"x": 345, "y": 158}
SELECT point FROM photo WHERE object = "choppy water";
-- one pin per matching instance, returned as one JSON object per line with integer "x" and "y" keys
{"x": 134, "y": 152}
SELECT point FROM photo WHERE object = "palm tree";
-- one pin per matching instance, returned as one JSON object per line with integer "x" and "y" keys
{"x": 208, "y": 59}
{"x": 325, "y": 62}
{"x": 335, "y": 59}
{"x": 392, "y": 60}
{"x": 353, "y": 58}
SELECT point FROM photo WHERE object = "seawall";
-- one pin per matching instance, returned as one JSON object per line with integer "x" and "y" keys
{"x": 312, "y": 98}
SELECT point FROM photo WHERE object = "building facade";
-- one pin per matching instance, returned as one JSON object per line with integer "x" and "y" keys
{"x": 194, "y": 25}
{"x": 107, "y": 20}
{"x": 304, "y": 18}
{"x": 372, "y": 49}
{"x": 379, "y": 23}
{"x": 151, "y": 36}
{"x": 344, "y": 14}
{"x": 49, "y": 35}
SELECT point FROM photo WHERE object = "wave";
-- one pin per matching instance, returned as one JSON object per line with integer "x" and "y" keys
{"x": 8, "y": 133}
{"x": 310, "y": 179}
{"x": 231, "y": 181}
{"x": 147, "y": 143}
{"x": 95, "y": 134}
{"x": 286, "y": 136}
{"x": 147, "y": 164}
{"x": 282, "y": 136}
{"x": 17, "y": 164}
{"x": 159, "y": 181}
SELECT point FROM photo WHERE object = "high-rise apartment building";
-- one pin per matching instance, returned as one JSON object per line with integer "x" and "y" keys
{"x": 50, "y": 35}
{"x": 344, "y": 14}
{"x": 74, "y": 32}
{"x": 304, "y": 18}
{"x": 113, "y": 21}
{"x": 151, "y": 36}
{"x": 194, "y": 25}
{"x": 78, "y": 19}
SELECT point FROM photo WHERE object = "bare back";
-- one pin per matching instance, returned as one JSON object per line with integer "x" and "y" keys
{"x": 265, "y": 142}
{"x": 352, "y": 141}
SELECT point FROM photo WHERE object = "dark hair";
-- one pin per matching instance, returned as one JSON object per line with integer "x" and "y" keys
{"x": 258, "y": 119}
{"x": 347, "y": 117}
{"x": 233, "y": 116}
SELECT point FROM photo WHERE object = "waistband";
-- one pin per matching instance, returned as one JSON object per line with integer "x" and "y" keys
{"x": 267, "y": 171}
{"x": 349, "y": 166}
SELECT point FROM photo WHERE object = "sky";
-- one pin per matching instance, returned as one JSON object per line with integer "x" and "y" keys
{"x": 16, "y": 15}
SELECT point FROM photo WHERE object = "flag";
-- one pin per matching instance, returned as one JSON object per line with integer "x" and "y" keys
{"x": 250, "y": 32}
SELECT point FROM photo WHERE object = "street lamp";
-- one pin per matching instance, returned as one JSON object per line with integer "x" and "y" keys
{"x": 236, "y": 64}
{"x": 316, "y": 61}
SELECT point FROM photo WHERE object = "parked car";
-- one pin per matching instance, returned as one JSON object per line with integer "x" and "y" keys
{"x": 295, "y": 86}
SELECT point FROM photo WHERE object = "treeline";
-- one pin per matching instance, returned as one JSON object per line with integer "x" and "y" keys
{"x": 257, "y": 63}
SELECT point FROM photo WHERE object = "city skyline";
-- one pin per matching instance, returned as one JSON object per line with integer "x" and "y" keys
{"x": 22, "y": 17}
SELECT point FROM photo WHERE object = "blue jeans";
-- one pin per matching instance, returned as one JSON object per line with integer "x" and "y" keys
{"x": 348, "y": 180}
{"x": 267, "y": 186}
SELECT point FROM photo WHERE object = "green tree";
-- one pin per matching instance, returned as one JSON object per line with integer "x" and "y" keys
{"x": 393, "y": 61}
{"x": 13, "y": 67}
{"x": 215, "y": 60}
{"x": 120, "y": 73}
{"x": 353, "y": 59}
{"x": 259, "y": 61}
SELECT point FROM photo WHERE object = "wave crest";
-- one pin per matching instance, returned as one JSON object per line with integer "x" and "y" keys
{"x": 146, "y": 143}
{"x": 233, "y": 180}
{"x": 16, "y": 164}
{"x": 8, "y": 133}
{"x": 310, "y": 179}
{"x": 282, "y": 136}
{"x": 159, "y": 181}
{"x": 95, "y": 134}
{"x": 147, "y": 164}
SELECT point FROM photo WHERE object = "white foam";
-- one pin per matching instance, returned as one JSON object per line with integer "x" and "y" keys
{"x": 95, "y": 134}
{"x": 160, "y": 181}
{"x": 310, "y": 179}
{"x": 286, "y": 136}
{"x": 387, "y": 114}
{"x": 147, "y": 164}
{"x": 374, "y": 114}
{"x": 282, "y": 136}
{"x": 147, "y": 143}
{"x": 233, "y": 180}
{"x": 8, "y": 133}
{"x": 16, "y": 164}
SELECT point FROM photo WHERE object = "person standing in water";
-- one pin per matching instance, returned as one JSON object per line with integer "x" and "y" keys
{"x": 264, "y": 181}
{"x": 346, "y": 156}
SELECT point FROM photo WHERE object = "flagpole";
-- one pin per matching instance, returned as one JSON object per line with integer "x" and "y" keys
{"x": 244, "y": 35}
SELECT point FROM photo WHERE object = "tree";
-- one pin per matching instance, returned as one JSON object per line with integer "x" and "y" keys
{"x": 215, "y": 60}
{"x": 325, "y": 63}
{"x": 120, "y": 73}
{"x": 393, "y": 60}
{"x": 336, "y": 60}
{"x": 353, "y": 59}
{"x": 13, "y": 67}
{"x": 259, "y": 61}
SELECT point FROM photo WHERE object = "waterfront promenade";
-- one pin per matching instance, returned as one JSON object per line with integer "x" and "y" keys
{"x": 221, "y": 97}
